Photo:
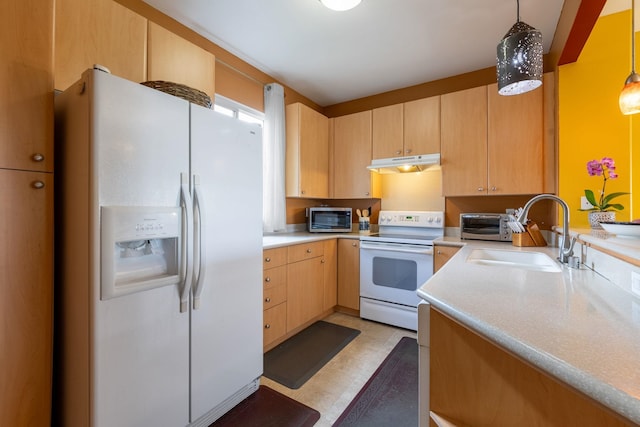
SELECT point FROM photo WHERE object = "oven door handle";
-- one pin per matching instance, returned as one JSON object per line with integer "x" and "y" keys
{"x": 408, "y": 249}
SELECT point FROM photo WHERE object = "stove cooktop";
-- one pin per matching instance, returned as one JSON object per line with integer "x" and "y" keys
{"x": 415, "y": 227}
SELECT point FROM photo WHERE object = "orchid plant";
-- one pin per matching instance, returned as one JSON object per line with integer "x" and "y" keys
{"x": 606, "y": 168}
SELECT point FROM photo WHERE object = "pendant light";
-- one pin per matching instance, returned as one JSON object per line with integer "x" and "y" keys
{"x": 340, "y": 5}
{"x": 630, "y": 96}
{"x": 519, "y": 59}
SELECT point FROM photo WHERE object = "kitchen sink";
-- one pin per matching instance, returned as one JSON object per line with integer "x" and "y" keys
{"x": 527, "y": 260}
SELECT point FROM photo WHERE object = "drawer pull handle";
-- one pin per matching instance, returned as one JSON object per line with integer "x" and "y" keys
{"x": 267, "y": 279}
{"x": 267, "y": 259}
{"x": 267, "y": 299}
{"x": 322, "y": 261}
{"x": 37, "y": 157}
{"x": 354, "y": 244}
{"x": 267, "y": 326}
{"x": 308, "y": 251}
{"x": 37, "y": 185}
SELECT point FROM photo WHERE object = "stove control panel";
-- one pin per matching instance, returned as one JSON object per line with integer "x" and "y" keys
{"x": 432, "y": 219}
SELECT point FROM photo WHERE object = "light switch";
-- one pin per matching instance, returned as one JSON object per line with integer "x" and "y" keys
{"x": 584, "y": 203}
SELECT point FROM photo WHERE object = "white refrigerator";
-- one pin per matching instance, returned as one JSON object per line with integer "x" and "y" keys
{"x": 158, "y": 257}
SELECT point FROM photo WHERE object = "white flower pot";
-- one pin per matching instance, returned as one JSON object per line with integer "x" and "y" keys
{"x": 596, "y": 217}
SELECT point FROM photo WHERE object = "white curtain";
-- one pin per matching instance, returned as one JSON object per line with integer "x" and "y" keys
{"x": 274, "y": 202}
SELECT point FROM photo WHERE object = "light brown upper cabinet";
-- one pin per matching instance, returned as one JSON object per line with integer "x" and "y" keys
{"x": 174, "y": 59}
{"x": 351, "y": 155}
{"x": 388, "y": 133}
{"x": 407, "y": 129}
{"x": 89, "y": 32}
{"x": 26, "y": 82}
{"x": 492, "y": 144}
{"x": 515, "y": 140}
{"x": 463, "y": 150}
{"x": 422, "y": 126}
{"x": 307, "y": 153}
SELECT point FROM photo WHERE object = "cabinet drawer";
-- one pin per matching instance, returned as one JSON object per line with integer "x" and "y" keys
{"x": 305, "y": 251}
{"x": 274, "y": 296}
{"x": 274, "y": 257}
{"x": 275, "y": 323}
{"x": 275, "y": 277}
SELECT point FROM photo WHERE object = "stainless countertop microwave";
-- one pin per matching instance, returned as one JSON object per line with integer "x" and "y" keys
{"x": 485, "y": 226}
{"x": 326, "y": 219}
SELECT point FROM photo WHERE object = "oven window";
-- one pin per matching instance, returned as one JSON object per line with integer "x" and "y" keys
{"x": 395, "y": 273}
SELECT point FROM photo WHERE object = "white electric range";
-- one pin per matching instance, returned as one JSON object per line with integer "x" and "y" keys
{"x": 395, "y": 262}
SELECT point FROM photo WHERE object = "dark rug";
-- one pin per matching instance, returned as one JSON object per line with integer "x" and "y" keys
{"x": 390, "y": 397}
{"x": 268, "y": 408}
{"x": 294, "y": 361}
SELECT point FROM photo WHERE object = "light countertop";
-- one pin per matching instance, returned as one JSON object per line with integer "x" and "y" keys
{"x": 275, "y": 240}
{"x": 573, "y": 324}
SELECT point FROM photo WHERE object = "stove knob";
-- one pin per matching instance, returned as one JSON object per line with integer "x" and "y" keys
{"x": 430, "y": 220}
{"x": 438, "y": 220}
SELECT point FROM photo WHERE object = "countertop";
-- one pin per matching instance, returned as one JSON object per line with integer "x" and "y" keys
{"x": 573, "y": 324}
{"x": 276, "y": 240}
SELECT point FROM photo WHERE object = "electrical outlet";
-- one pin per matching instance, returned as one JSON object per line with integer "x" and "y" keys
{"x": 635, "y": 283}
{"x": 584, "y": 203}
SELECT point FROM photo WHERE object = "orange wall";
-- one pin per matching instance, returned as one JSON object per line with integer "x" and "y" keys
{"x": 590, "y": 123}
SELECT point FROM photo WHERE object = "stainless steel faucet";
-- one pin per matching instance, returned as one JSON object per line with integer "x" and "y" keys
{"x": 566, "y": 249}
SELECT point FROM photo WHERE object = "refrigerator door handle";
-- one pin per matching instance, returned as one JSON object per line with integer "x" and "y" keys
{"x": 187, "y": 232}
{"x": 198, "y": 242}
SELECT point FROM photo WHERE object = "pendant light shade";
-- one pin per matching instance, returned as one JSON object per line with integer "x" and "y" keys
{"x": 630, "y": 96}
{"x": 340, "y": 5}
{"x": 519, "y": 59}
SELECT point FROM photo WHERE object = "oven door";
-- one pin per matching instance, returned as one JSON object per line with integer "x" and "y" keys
{"x": 393, "y": 272}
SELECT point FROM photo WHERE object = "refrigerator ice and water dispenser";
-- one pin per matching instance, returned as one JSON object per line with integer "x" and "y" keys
{"x": 140, "y": 248}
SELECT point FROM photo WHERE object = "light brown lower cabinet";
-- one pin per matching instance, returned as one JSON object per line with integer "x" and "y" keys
{"x": 274, "y": 295}
{"x": 299, "y": 288}
{"x": 26, "y": 297}
{"x": 442, "y": 254}
{"x": 474, "y": 382}
{"x": 349, "y": 273}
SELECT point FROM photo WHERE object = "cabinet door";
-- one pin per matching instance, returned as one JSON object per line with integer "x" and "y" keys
{"x": 349, "y": 273}
{"x": 515, "y": 142}
{"x": 26, "y": 84}
{"x": 275, "y": 324}
{"x": 352, "y": 155}
{"x": 26, "y": 297}
{"x": 174, "y": 59}
{"x": 442, "y": 254}
{"x": 98, "y": 32}
{"x": 387, "y": 134}
{"x": 307, "y": 156}
{"x": 464, "y": 142}
{"x": 330, "y": 274}
{"x": 422, "y": 126}
{"x": 305, "y": 289}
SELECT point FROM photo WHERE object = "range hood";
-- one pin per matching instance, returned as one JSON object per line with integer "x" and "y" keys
{"x": 406, "y": 164}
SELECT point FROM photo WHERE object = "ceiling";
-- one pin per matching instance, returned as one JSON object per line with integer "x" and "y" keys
{"x": 381, "y": 45}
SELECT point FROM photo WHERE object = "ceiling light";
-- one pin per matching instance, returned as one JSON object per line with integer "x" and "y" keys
{"x": 519, "y": 59}
{"x": 630, "y": 96}
{"x": 340, "y": 5}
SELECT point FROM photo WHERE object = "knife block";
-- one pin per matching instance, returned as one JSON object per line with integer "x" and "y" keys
{"x": 530, "y": 237}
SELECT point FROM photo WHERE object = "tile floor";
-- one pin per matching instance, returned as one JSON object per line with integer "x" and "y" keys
{"x": 331, "y": 389}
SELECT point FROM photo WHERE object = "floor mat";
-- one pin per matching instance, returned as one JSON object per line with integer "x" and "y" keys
{"x": 268, "y": 408}
{"x": 390, "y": 397}
{"x": 294, "y": 361}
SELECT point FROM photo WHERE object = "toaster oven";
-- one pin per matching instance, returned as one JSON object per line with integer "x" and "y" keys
{"x": 485, "y": 226}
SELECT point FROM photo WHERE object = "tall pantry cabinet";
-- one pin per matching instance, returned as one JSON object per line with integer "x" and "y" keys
{"x": 26, "y": 212}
